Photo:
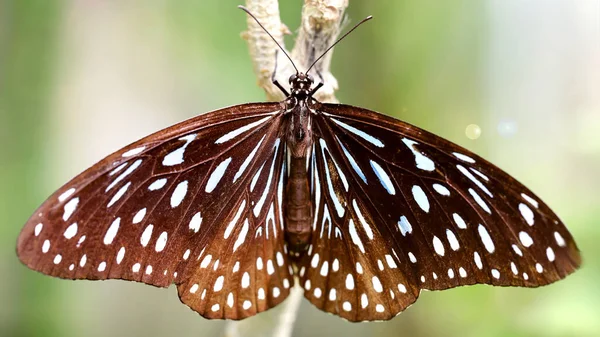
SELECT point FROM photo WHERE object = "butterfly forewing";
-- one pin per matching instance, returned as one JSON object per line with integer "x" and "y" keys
{"x": 413, "y": 211}
{"x": 153, "y": 211}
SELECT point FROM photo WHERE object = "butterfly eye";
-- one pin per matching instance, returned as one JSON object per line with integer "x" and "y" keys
{"x": 293, "y": 78}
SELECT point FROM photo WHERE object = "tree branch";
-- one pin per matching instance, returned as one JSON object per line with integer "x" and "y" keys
{"x": 320, "y": 26}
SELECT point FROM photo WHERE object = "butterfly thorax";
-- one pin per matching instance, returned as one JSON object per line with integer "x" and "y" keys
{"x": 299, "y": 209}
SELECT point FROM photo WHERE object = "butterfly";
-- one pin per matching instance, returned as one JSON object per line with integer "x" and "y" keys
{"x": 238, "y": 205}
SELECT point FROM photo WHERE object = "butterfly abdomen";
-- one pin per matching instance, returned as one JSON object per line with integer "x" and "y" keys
{"x": 298, "y": 206}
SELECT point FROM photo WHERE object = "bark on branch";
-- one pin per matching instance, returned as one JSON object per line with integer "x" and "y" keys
{"x": 320, "y": 26}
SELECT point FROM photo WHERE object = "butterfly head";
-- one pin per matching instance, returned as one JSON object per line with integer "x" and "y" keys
{"x": 301, "y": 84}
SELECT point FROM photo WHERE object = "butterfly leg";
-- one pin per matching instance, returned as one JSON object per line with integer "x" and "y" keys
{"x": 312, "y": 92}
{"x": 274, "y": 80}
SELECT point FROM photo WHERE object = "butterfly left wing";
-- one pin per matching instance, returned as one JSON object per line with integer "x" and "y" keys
{"x": 194, "y": 204}
{"x": 399, "y": 209}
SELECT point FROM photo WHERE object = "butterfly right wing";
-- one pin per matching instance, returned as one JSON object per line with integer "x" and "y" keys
{"x": 156, "y": 210}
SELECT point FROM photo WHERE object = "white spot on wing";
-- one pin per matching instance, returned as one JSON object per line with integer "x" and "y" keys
{"x": 486, "y": 239}
{"x": 161, "y": 242}
{"x": 196, "y": 222}
{"x": 112, "y": 231}
{"x": 139, "y": 216}
{"x": 157, "y": 184}
{"x": 146, "y": 235}
{"x": 526, "y": 240}
{"x": 459, "y": 221}
{"x": 70, "y": 232}
{"x": 438, "y": 246}
{"x": 179, "y": 193}
{"x": 420, "y": 198}
{"x": 441, "y": 189}
{"x": 452, "y": 240}
{"x": 176, "y": 157}
{"x": 38, "y": 229}
{"x": 422, "y": 161}
{"x": 526, "y": 213}
{"x": 404, "y": 225}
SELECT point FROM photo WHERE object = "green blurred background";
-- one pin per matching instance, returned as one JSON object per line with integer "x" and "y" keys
{"x": 79, "y": 79}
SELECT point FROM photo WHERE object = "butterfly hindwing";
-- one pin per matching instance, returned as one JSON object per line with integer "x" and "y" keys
{"x": 147, "y": 212}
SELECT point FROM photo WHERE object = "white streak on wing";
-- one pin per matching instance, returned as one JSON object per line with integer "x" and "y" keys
{"x": 483, "y": 176}
{"x": 66, "y": 194}
{"x": 248, "y": 160}
{"x": 384, "y": 178}
{"x": 263, "y": 197}
{"x": 117, "y": 169}
{"x": 423, "y": 162}
{"x": 133, "y": 152}
{"x": 317, "y": 191}
{"x": 354, "y": 236}
{"x": 176, "y": 157}
{"x": 486, "y": 239}
{"x": 352, "y": 161}
{"x": 271, "y": 218}
{"x": 216, "y": 176}
{"x": 362, "y": 220}
{"x": 530, "y": 200}
{"x": 336, "y": 202}
{"x": 69, "y": 208}
{"x": 326, "y": 219}
{"x": 255, "y": 178}
{"x": 359, "y": 133}
{"x": 112, "y": 231}
{"x": 242, "y": 236}
{"x": 235, "y": 219}
{"x": 280, "y": 194}
{"x": 463, "y": 157}
{"x": 337, "y": 167}
{"x": 127, "y": 172}
{"x": 468, "y": 174}
{"x": 232, "y": 134}
{"x": 479, "y": 201}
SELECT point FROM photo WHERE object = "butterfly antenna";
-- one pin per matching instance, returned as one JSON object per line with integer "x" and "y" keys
{"x": 338, "y": 40}
{"x": 266, "y": 31}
